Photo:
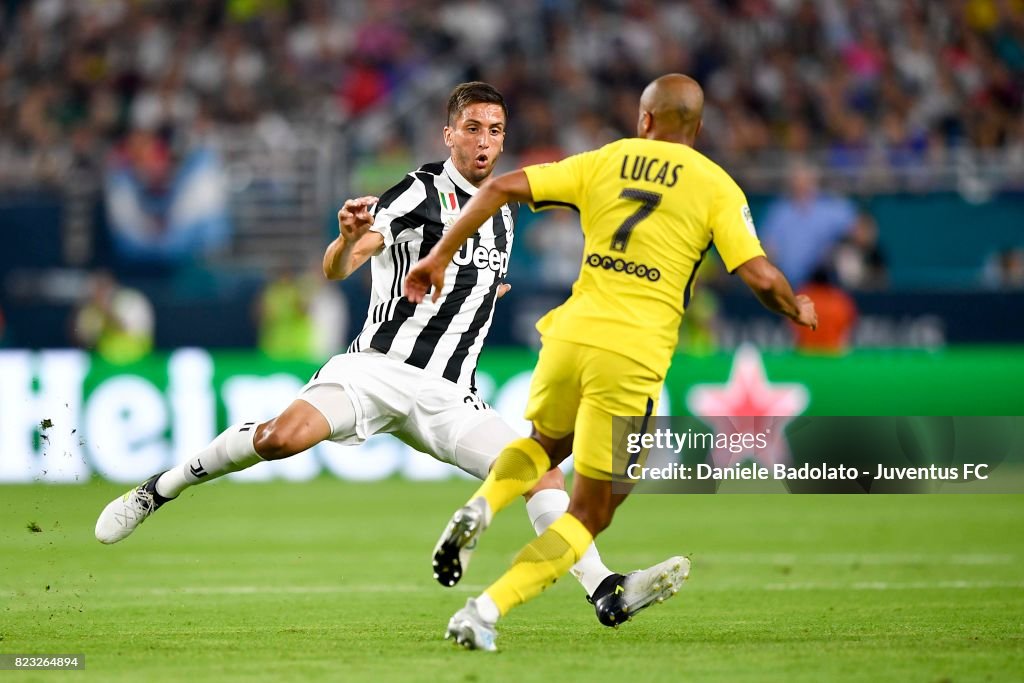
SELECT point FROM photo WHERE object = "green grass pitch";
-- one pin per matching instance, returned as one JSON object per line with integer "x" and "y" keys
{"x": 331, "y": 581}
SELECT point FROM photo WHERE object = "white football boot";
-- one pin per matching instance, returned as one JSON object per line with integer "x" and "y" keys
{"x": 123, "y": 514}
{"x": 619, "y": 598}
{"x": 470, "y": 630}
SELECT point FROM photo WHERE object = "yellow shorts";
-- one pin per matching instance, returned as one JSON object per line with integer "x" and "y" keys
{"x": 579, "y": 389}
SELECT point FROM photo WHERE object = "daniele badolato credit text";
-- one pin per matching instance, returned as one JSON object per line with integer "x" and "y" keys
{"x": 754, "y": 456}
{"x": 750, "y": 471}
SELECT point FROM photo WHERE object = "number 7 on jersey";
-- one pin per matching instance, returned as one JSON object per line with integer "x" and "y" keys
{"x": 648, "y": 203}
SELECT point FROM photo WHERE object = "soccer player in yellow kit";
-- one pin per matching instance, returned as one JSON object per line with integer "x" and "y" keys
{"x": 651, "y": 207}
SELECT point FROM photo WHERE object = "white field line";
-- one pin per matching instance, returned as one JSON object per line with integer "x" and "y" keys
{"x": 428, "y": 588}
{"x": 843, "y": 559}
{"x": 825, "y": 559}
{"x": 294, "y": 590}
{"x": 257, "y": 590}
{"x": 893, "y": 585}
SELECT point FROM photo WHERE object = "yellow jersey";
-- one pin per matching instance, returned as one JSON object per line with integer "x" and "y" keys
{"x": 650, "y": 212}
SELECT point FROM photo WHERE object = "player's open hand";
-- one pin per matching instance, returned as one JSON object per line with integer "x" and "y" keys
{"x": 806, "y": 315}
{"x": 354, "y": 218}
{"x": 426, "y": 273}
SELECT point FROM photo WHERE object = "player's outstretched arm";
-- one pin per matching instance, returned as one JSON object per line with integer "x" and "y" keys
{"x": 429, "y": 271}
{"x": 355, "y": 242}
{"x": 772, "y": 288}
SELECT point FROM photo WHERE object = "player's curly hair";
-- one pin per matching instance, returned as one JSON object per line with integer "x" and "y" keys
{"x": 473, "y": 92}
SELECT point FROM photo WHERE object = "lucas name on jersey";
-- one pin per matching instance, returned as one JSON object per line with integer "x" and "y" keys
{"x": 651, "y": 170}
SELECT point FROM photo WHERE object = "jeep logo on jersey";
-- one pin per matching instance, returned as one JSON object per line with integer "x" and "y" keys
{"x": 481, "y": 257}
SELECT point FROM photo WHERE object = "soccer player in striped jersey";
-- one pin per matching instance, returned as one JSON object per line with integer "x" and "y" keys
{"x": 411, "y": 370}
{"x": 651, "y": 207}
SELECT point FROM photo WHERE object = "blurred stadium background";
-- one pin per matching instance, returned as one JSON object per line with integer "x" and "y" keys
{"x": 178, "y": 165}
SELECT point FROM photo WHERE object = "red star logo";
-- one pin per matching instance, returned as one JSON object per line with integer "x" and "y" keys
{"x": 749, "y": 404}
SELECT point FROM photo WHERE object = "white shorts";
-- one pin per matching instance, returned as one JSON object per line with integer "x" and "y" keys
{"x": 430, "y": 413}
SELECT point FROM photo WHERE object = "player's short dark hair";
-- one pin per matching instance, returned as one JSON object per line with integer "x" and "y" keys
{"x": 474, "y": 92}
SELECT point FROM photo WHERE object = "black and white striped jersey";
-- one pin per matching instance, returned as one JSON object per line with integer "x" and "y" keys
{"x": 443, "y": 338}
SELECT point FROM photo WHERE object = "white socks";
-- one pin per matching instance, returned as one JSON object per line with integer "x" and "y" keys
{"x": 231, "y": 451}
{"x": 544, "y": 508}
{"x": 487, "y": 609}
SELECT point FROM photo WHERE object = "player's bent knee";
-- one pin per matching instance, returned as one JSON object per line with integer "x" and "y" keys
{"x": 274, "y": 441}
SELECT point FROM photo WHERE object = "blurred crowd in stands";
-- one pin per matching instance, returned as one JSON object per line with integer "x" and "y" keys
{"x": 895, "y": 83}
{"x": 133, "y": 100}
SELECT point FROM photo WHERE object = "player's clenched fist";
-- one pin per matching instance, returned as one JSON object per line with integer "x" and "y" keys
{"x": 354, "y": 218}
{"x": 807, "y": 316}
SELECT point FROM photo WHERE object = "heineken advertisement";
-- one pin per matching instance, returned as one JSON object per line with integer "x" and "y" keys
{"x": 66, "y": 416}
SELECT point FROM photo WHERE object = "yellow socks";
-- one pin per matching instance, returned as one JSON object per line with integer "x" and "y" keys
{"x": 541, "y": 562}
{"x": 519, "y": 467}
